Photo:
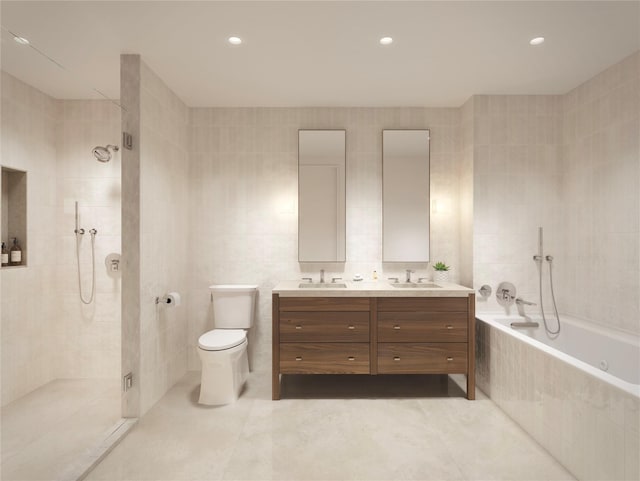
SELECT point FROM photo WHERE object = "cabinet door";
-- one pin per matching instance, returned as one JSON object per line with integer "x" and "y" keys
{"x": 422, "y": 358}
{"x": 422, "y": 327}
{"x": 324, "y": 327}
{"x": 324, "y": 358}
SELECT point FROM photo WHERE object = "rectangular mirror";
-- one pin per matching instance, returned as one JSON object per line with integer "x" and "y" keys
{"x": 405, "y": 196}
{"x": 321, "y": 195}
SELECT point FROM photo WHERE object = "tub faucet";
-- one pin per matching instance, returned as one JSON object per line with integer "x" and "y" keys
{"x": 409, "y": 271}
{"x": 520, "y": 303}
{"x": 322, "y": 276}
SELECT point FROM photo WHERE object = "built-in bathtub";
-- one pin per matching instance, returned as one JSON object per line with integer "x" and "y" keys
{"x": 577, "y": 394}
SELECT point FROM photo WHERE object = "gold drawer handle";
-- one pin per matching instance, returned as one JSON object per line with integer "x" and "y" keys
{"x": 396, "y": 358}
{"x": 396, "y": 327}
{"x": 449, "y": 327}
{"x": 298, "y": 358}
{"x": 298, "y": 327}
{"x": 351, "y": 327}
{"x": 351, "y": 358}
{"x": 449, "y": 359}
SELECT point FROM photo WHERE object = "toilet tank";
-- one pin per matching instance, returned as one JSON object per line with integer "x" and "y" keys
{"x": 233, "y": 306}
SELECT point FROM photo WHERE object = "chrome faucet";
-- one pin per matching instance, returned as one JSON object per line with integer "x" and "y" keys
{"x": 322, "y": 276}
{"x": 409, "y": 271}
{"x": 520, "y": 303}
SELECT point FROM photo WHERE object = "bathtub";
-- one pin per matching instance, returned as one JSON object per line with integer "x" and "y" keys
{"x": 577, "y": 394}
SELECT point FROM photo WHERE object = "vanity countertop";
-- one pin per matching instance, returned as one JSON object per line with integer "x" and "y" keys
{"x": 370, "y": 289}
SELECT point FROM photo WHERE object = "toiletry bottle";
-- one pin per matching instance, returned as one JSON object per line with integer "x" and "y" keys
{"x": 375, "y": 275}
{"x": 5, "y": 255}
{"x": 16, "y": 253}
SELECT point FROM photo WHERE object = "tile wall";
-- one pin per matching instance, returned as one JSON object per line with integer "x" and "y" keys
{"x": 516, "y": 189}
{"x": 155, "y": 232}
{"x": 29, "y": 358}
{"x": 599, "y": 266}
{"x": 90, "y": 334}
{"x": 243, "y": 201}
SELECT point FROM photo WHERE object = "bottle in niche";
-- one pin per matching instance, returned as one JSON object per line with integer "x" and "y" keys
{"x": 5, "y": 255}
{"x": 15, "y": 256}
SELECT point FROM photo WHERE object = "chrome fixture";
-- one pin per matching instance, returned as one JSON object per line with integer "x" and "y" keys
{"x": 103, "y": 154}
{"x": 520, "y": 303}
{"x": 539, "y": 259}
{"x": 395, "y": 279}
{"x": 485, "y": 291}
{"x": 308, "y": 279}
{"x": 334, "y": 279}
{"x": 80, "y": 232}
{"x": 506, "y": 293}
{"x": 321, "y": 276}
{"x": 408, "y": 279}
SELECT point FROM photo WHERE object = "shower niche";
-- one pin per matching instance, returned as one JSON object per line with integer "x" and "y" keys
{"x": 14, "y": 212}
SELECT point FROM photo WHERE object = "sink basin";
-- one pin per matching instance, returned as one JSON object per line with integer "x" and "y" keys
{"x": 415, "y": 285}
{"x": 324, "y": 285}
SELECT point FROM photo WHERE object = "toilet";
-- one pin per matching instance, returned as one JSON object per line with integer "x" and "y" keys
{"x": 223, "y": 351}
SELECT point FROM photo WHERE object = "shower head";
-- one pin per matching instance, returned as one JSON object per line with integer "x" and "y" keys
{"x": 103, "y": 154}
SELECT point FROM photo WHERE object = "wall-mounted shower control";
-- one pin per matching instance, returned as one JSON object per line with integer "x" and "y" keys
{"x": 506, "y": 294}
{"x": 112, "y": 263}
{"x": 485, "y": 291}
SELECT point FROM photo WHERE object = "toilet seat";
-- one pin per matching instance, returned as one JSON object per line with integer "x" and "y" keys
{"x": 222, "y": 339}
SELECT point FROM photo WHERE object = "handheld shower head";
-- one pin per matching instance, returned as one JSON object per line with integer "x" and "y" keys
{"x": 103, "y": 154}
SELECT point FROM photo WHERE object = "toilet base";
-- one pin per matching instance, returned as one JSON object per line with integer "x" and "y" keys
{"x": 223, "y": 375}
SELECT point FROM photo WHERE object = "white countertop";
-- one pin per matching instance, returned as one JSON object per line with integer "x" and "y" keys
{"x": 378, "y": 288}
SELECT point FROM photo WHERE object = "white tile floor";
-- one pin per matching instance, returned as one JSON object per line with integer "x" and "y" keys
{"x": 329, "y": 428}
{"x": 47, "y": 430}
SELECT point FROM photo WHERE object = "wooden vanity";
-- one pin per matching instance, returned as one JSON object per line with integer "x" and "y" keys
{"x": 373, "y": 331}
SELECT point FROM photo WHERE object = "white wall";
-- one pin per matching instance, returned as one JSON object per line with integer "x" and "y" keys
{"x": 599, "y": 267}
{"x": 243, "y": 201}
{"x": 29, "y": 357}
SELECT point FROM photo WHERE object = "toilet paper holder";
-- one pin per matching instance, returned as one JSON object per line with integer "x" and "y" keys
{"x": 171, "y": 299}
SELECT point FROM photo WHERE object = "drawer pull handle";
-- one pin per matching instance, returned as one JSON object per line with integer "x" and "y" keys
{"x": 298, "y": 328}
{"x": 396, "y": 358}
{"x": 351, "y": 327}
{"x": 449, "y": 359}
{"x": 351, "y": 358}
{"x": 449, "y": 326}
{"x": 396, "y": 327}
{"x": 298, "y": 358}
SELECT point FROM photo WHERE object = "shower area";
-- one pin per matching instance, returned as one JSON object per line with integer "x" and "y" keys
{"x": 61, "y": 306}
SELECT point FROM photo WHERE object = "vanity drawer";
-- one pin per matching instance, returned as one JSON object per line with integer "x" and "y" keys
{"x": 422, "y": 327}
{"x": 324, "y": 358}
{"x": 324, "y": 327}
{"x": 422, "y": 358}
{"x": 315, "y": 304}
{"x": 427, "y": 304}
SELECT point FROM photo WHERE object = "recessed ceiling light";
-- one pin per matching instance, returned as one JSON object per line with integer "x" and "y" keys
{"x": 536, "y": 41}
{"x": 21, "y": 40}
{"x": 386, "y": 41}
{"x": 234, "y": 40}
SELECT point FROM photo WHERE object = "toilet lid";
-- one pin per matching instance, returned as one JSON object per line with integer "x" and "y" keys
{"x": 220, "y": 339}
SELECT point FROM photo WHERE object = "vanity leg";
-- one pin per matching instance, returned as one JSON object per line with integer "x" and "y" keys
{"x": 471, "y": 366}
{"x": 275, "y": 347}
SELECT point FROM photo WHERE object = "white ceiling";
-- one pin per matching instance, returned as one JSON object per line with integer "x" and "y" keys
{"x": 323, "y": 53}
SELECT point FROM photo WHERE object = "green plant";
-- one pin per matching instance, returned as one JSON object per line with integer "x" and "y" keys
{"x": 441, "y": 266}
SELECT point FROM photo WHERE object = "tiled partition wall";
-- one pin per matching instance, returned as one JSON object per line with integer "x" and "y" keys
{"x": 155, "y": 234}
{"x": 29, "y": 357}
{"x": 243, "y": 202}
{"x": 516, "y": 171}
{"x": 599, "y": 266}
{"x": 90, "y": 334}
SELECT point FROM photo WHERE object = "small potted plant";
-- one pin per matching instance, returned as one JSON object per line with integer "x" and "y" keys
{"x": 441, "y": 273}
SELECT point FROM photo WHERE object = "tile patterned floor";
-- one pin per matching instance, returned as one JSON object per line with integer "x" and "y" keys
{"x": 45, "y": 431}
{"x": 330, "y": 428}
